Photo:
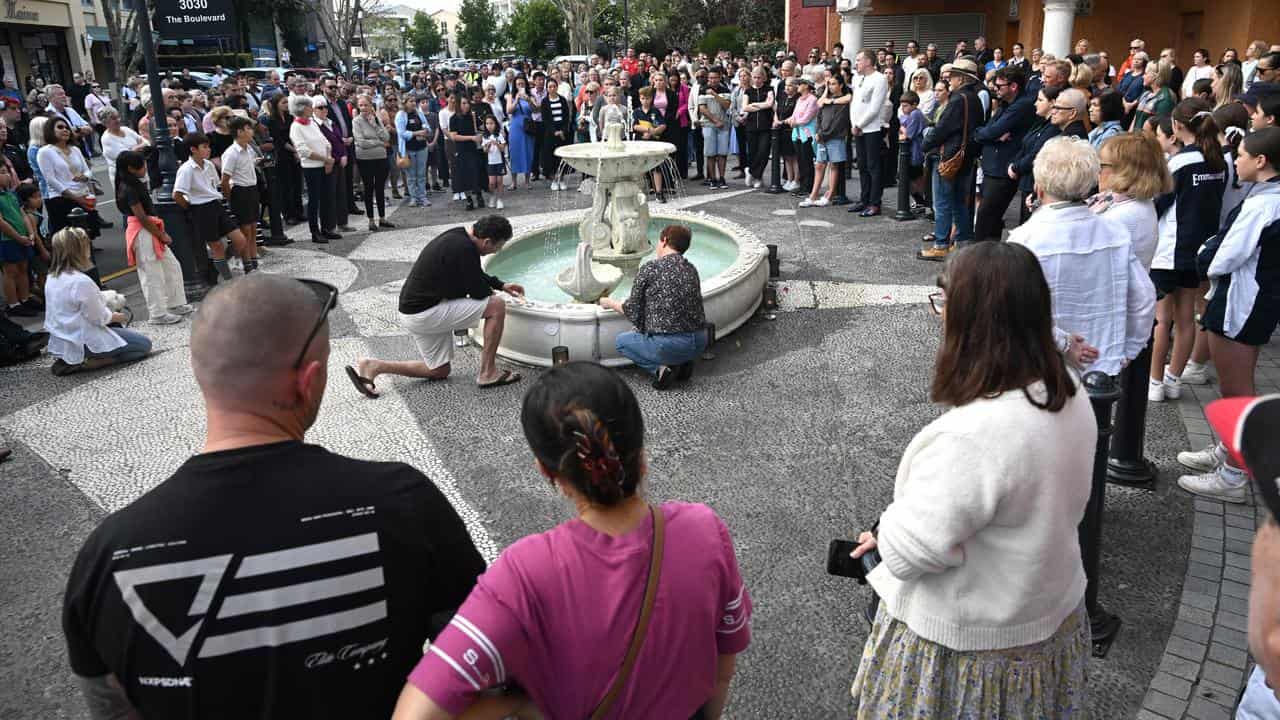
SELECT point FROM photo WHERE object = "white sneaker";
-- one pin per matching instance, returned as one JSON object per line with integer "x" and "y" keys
{"x": 1195, "y": 374}
{"x": 1206, "y": 460}
{"x": 1172, "y": 385}
{"x": 165, "y": 319}
{"x": 490, "y": 203}
{"x": 182, "y": 310}
{"x": 749, "y": 181}
{"x": 497, "y": 205}
{"x": 426, "y": 202}
{"x": 757, "y": 184}
{"x": 806, "y": 203}
{"x": 821, "y": 202}
{"x": 1225, "y": 484}
{"x": 1155, "y": 390}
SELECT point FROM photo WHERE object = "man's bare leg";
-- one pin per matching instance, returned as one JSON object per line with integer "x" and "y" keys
{"x": 371, "y": 368}
{"x": 495, "y": 316}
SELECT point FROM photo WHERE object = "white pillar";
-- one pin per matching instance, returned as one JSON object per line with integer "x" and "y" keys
{"x": 1059, "y": 18}
{"x": 851, "y": 14}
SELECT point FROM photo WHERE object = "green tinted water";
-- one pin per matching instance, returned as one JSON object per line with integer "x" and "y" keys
{"x": 534, "y": 261}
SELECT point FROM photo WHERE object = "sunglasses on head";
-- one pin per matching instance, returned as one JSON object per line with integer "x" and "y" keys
{"x": 327, "y": 298}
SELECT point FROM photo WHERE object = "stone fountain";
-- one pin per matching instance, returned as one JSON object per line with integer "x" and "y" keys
{"x": 563, "y": 280}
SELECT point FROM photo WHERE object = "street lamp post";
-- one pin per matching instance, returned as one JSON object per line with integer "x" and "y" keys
{"x": 404, "y": 42}
{"x": 193, "y": 260}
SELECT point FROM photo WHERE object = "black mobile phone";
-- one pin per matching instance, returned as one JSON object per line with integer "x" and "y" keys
{"x": 839, "y": 563}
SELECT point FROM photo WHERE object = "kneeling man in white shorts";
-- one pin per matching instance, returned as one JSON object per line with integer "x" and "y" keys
{"x": 447, "y": 290}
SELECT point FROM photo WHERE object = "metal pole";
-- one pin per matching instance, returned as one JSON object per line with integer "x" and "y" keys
{"x": 1103, "y": 394}
{"x": 193, "y": 260}
{"x": 904, "y": 183}
{"x": 1127, "y": 466}
{"x": 626, "y": 27}
{"x": 775, "y": 162}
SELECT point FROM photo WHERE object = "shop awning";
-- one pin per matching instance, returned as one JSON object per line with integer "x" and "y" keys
{"x": 98, "y": 34}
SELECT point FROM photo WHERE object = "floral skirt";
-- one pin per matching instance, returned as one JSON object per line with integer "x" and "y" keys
{"x": 902, "y": 676}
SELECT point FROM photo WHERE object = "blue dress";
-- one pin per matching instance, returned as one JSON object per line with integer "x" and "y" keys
{"x": 520, "y": 146}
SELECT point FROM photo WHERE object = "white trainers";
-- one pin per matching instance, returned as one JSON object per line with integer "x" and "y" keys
{"x": 757, "y": 184}
{"x": 490, "y": 203}
{"x": 1205, "y": 460}
{"x": 806, "y": 203}
{"x": 748, "y": 180}
{"x": 1195, "y": 374}
{"x": 1172, "y": 385}
{"x": 1225, "y": 484}
{"x": 497, "y": 205}
{"x": 165, "y": 319}
{"x": 1155, "y": 390}
{"x": 821, "y": 202}
{"x": 182, "y": 310}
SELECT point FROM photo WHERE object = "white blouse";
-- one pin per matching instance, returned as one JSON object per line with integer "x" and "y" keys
{"x": 60, "y": 170}
{"x": 113, "y": 145}
{"x": 76, "y": 318}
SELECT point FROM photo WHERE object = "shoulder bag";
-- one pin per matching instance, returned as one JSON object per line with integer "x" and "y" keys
{"x": 642, "y": 625}
{"x": 949, "y": 168}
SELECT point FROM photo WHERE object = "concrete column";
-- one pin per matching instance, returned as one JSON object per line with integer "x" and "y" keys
{"x": 1059, "y": 19}
{"x": 851, "y": 14}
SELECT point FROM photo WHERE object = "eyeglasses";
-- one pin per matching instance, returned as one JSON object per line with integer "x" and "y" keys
{"x": 1135, "y": 47}
{"x": 1002, "y": 85}
{"x": 938, "y": 301}
{"x": 1105, "y": 165}
{"x": 1063, "y": 108}
{"x": 328, "y": 297}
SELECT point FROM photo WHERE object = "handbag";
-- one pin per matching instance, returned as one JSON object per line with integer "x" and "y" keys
{"x": 402, "y": 160}
{"x": 949, "y": 168}
{"x": 642, "y": 625}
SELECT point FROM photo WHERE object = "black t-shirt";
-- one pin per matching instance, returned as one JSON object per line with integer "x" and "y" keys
{"x": 132, "y": 193}
{"x": 464, "y": 125}
{"x": 448, "y": 268}
{"x": 413, "y": 124}
{"x": 219, "y": 142}
{"x": 274, "y": 581}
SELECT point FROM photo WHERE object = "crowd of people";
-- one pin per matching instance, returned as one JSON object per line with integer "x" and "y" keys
{"x": 1148, "y": 215}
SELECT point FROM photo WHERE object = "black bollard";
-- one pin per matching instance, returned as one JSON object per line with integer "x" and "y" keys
{"x": 559, "y": 355}
{"x": 1103, "y": 394}
{"x": 77, "y": 217}
{"x": 904, "y": 183}
{"x": 775, "y": 163}
{"x": 770, "y": 304}
{"x": 1127, "y": 466}
{"x": 774, "y": 263}
{"x": 711, "y": 340}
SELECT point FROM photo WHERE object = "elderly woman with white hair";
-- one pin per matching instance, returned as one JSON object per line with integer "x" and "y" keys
{"x": 1101, "y": 291}
{"x": 116, "y": 138}
{"x": 921, "y": 83}
{"x": 316, "y": 157}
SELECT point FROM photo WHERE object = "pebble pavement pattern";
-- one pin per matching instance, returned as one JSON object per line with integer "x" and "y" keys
{"x": 792, "y": 433}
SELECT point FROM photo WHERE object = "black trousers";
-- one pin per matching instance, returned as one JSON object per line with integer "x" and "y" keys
{"x": 870, "y": 147}
{"x": 1023, "y": 213}
{"x": 291, "y": 182}
{"x": 759, "y": 140}
{"x": 535, "y": 129}
{"x": 698, "y": 144}
{"x": 681, "y": 140}
{"x": 348, "y": 182}
{"x": 804, "y": 164}
{"x": 997, "y": 192}
{"x": 549, "y": 160}
{"x": 744, "y": 148}
{"x": 373, "y": 175}
{"x": 319, "y": 193}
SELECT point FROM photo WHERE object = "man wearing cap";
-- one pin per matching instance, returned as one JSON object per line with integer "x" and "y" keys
{"x": 953, "y": 136}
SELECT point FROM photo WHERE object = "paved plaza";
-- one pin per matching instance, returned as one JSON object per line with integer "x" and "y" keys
{"x": 792, "y": 433}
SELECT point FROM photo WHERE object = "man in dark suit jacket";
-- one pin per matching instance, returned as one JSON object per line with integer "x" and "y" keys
{"x": 340, "y": 113}
{"x": 1001, "y": 138}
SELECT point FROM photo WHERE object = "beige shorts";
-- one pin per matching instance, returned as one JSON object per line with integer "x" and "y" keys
{"x": 432, "y": 329}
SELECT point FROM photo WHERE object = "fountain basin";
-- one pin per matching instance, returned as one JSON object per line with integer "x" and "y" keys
{"x": 610, "y": 164}
{"x": 731, "y": 262}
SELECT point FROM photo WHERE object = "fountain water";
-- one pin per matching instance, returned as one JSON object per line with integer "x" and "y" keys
{"x": 616, "y": 235}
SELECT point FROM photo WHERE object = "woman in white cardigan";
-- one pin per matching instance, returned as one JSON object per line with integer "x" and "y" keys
{"x": 981, "y": 583}
{"x": 316, "y": 156}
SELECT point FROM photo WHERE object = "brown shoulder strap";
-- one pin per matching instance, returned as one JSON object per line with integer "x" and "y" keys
{"x": 646, "y": 609}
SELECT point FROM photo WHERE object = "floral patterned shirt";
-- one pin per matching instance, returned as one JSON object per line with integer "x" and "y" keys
{"x": 666, "y": 297}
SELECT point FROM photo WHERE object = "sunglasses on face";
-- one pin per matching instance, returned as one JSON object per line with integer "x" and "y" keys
{"x": 327, "y": 299}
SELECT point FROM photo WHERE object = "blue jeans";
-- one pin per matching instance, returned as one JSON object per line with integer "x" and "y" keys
{"x": 650, "y": 351}
{"x": 417, "y": 171}
{"x": 136, "y": 346}
{"x": 951, "y": 207}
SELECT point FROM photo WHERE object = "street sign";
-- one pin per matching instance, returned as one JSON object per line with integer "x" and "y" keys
{"x": 188, "y": 19}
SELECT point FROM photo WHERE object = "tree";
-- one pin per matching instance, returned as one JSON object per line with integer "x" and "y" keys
{"x": 122, "y": 30}
{"x": 339, "y": 22}
{"x": 424, "y": 36}
{"x": 478, "y": 32}
{"x": 536, "y": 25}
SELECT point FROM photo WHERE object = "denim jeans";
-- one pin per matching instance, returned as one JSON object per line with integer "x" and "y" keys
{"x": 951, "y": 207}
{"x": 650, "y": 351}
{"x": 417, "y": 171}
{"x": 136, "y": 346}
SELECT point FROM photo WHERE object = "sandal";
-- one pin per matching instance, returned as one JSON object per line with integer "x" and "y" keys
{"x": 929, "y": 239}
{"x": 506, "y": 378}
{"x": 363, "y": 384}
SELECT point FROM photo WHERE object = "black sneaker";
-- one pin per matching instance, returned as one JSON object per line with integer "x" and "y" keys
{"x": 21, "y": 310}
{"x": 385, "y": 224}
{"x": 857, "y": 207}
{"x": 33, "y": 302}
{"x": 320, "y": 239}
{"x": 685, "y": 371}
{"x": 330, "y": 235}
{"x": 664, "y": 377}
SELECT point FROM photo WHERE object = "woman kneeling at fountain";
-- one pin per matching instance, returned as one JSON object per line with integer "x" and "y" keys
{"x": 666, "y": 308}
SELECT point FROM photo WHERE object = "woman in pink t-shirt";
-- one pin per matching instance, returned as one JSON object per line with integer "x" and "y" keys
{"x": 549, "y": 623}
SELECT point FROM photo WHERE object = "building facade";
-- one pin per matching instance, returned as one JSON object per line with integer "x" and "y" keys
{"x": 1053, "y": 25}
{"x": 52, "y": 39}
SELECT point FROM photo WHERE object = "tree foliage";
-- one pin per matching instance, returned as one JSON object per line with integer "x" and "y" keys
{"x": 478, "y": 32}
{"x": 723, "y": 37}
{"x": 536, "y": 29}
{"x": 424, "y": 36}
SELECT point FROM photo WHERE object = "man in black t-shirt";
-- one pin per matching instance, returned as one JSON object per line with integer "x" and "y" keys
{"x": 267, "y": 577}
{"x": 448, "y": 291}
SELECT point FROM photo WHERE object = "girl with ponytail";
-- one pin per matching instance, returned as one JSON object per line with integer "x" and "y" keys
{"x": 553, "y": 617}
{"x": 1243, "y": 267}
{"x": 1189, "y": 216}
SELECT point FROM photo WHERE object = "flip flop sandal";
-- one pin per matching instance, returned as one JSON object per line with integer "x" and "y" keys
{"x": 363, "y": 384}
{"x": 506, "y": 378}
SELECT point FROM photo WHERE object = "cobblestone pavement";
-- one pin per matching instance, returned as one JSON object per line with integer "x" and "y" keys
{"x": 792, "y": 433}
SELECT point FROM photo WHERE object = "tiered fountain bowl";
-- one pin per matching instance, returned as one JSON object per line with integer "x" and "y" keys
{"x": 566, "y": 266}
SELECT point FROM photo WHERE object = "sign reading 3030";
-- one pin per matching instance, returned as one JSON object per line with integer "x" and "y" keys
{"x": 183, "y": 19}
